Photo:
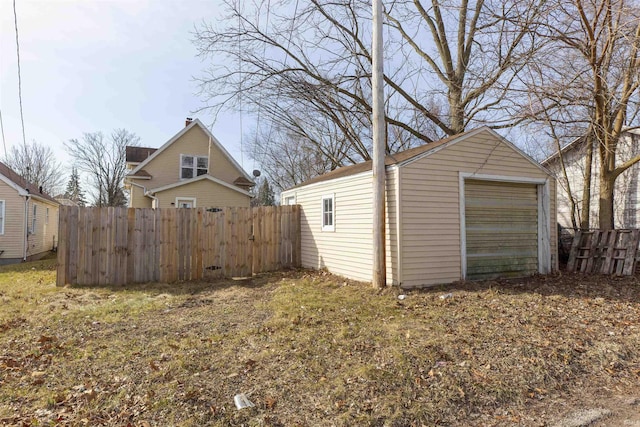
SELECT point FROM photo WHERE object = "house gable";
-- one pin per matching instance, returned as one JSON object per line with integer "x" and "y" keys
{"x": 162, "y": 167}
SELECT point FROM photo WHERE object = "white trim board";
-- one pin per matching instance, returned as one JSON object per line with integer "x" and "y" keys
{"x": 196, "y": 179}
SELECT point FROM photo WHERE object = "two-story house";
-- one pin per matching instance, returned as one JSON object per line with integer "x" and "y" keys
{"x": 190, "y": 170}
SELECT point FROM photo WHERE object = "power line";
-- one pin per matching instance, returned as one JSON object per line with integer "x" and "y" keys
{"x": 15, "y": 21}
{"x": 295, "y": 14}
{"x": 264, "y": 55}
{"x": 4, "y": 141}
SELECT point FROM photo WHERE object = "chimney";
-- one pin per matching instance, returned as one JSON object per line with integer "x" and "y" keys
{"x": 40, "y": 189}
{"x": 188, "y": 121}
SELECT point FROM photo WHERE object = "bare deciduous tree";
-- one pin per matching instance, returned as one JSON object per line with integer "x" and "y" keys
{"x": 306, "y": 71}
{"x": 104, "y": 161}
{"x": 590, "y": 76}
{"x": 36, "y": 163}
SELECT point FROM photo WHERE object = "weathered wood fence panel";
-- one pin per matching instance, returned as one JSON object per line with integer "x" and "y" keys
{"x": 115, "y": 246}
{"x": 605, "y": 252}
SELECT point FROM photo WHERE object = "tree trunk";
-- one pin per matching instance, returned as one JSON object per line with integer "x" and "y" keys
{"x": 586, "y": 186}
{"x": 606, "y": 218}
{"x": 456, "y": 109}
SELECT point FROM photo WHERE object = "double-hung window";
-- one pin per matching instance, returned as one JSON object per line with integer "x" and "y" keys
{"x": 192, "y": 166}
{"x": 328, "y": 213}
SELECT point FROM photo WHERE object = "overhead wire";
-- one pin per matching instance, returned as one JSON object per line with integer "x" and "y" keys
{"x": 293, "y": 22}
{"x": 4, "y": 141}
{"x": 264, "y": 55}
{"x": 15, "y": 21}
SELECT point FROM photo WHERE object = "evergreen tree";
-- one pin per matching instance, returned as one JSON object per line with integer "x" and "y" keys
{"x": 265, "y": 195}
{"x": 74, "y": 192}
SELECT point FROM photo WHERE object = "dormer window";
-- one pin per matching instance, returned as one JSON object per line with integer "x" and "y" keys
{"x": 192, "y": 166}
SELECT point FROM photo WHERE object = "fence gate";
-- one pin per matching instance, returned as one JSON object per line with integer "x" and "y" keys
{"x": 100, "y": 246}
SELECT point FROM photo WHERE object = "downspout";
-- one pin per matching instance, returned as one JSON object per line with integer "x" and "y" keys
{"x": 26, "y": 225}
{"x": 146, "y": 193}
{"x": 154, "y": 198}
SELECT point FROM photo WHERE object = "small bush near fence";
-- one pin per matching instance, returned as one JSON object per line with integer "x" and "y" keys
{"x": 100, "y": 246}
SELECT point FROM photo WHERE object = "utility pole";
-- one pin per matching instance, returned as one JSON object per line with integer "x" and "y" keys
{"x": 379, "y": 144}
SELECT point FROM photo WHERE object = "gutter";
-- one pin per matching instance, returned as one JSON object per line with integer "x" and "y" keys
{"x": 146, "y": 192}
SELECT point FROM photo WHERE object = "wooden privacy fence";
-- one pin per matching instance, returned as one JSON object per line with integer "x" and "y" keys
{"x": 605, "y": 252}
{"x": 100, "y": 246}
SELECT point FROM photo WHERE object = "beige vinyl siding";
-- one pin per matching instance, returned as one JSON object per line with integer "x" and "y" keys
{"x": 12, "y": 241}
{"x": 430, "y": 218}
{"x": 346, "y": 251}
{"x": 208, "y": 194}
{"x": 137, "y": 199}
{"x": 165, "y": 167}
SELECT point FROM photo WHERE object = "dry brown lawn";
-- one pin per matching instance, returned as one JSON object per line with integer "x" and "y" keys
{"x": 311, "y": 349}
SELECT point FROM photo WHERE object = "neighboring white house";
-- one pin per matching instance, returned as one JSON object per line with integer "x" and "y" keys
{"x": 627, "y": 189}
{"x": 472, "y": 206}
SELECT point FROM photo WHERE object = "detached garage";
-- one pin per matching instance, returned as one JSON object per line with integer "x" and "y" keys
{"x": 473, "y": 206}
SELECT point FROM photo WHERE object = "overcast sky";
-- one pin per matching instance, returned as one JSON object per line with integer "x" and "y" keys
{"x": 98, "y": 65}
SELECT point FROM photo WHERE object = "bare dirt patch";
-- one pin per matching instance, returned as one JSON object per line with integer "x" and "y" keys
{"x": 311, "y": 349}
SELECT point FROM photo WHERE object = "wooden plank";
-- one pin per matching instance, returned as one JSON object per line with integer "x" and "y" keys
{"x": 258, "y": 240}
{"x": 220, "y": 243}
{"x": 72, "y": 245}
{"x": 150, "y": 244}
{"x": 131, "y": 255}
{"x": 247, "y": 237}
{"x": 277, "y": 259}
{"x": 632, "y": 247}
{"x": 110, "y": 237}
{"x": 62, "y": 278}
{"x": 229, "y": 242}
{"x": 173, "y": 238}
{"x": 573, "y": 253}
{"x": 593, "y": 251}
{"x": 137, "y": 249}
{"x": 81, "y": 230}
{"x": 119, "y": 247}
{"x": 199, "y": 244}
{"x": 164, "y": 245}
{"x": 607, "y": 264}
{"x": 156, "y": 245}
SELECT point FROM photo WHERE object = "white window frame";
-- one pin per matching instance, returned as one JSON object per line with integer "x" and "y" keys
{"x": 326, "y": 226}
{"x": 46, "y": 217}
{"x": 2, "y": 218}
{"x": 185, "y": 199}
{"x": 195, "y": 167}
{"x": 290, "y": 200}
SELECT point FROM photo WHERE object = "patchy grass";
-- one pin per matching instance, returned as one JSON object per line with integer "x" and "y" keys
{"x": 310, "y": 349}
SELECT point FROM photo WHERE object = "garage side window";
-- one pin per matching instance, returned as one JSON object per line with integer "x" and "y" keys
{"x": 328, "y": 213}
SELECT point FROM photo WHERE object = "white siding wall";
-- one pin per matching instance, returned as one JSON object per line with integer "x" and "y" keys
{"x": 431, "y": 249}
{"x": 627, "y": 188}
{"x": 347, "y": 250}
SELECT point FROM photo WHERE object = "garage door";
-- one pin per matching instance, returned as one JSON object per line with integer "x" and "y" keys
{"x": 501, "y": 221}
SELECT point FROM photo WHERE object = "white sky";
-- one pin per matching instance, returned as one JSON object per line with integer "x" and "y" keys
{"x": 98, "y": 65}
